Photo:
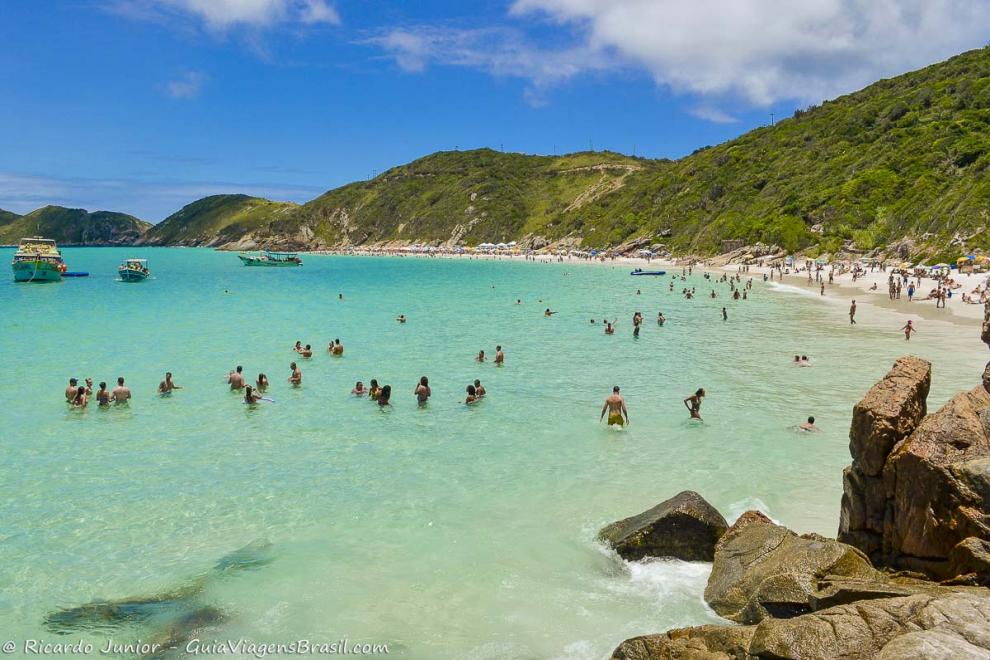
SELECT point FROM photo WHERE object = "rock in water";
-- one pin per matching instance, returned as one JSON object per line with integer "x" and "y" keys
{"x": 952, "y": 625}
{"x": 764, "y": 570}
{"x": 684, "y": 527}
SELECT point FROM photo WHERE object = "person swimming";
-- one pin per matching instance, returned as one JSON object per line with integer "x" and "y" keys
{"x": 401, "y": 318}
{"x": 548, "y": 312}
{"x": 384, "y": 396}
{"x": 809, "y": 425}
{"x": 693, "y": 403}
{"x": 615, "y": 405}
{"x": 422, "y": 391}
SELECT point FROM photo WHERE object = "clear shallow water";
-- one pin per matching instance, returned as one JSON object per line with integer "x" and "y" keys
{"x": 445, "y": 532}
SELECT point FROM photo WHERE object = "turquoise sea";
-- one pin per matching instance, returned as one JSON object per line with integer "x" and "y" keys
{"x": 444, "y": 532}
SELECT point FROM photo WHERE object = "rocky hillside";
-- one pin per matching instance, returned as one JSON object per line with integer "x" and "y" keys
{"x": 216, "y": 220}
{"x": 72, "y": 226}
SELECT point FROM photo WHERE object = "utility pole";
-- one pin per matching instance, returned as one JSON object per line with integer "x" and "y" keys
{"x": 771, "y": 119}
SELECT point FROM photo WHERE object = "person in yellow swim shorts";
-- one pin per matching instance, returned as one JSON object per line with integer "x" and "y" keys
{"x": 615, "y": 406}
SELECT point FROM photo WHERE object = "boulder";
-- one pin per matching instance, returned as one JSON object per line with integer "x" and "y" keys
{"x": 969, "y": 562}
{"x": 888, "y": 413}
{"x": 684, "y": 527}
{"x": 764, "y": 570}
{"x": 950, "y": 625}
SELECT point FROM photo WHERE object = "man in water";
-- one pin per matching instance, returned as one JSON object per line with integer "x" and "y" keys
{"x": 852, "y": 313}
{"x": 499, "y": 356}
{"x": 661, "y": 319}
{"x": 120, "y": 394}
{"x": 637, "y": 321}
{"x": 548, "y": 312}
{"x": 307, "y": 352}
{"x": 725, "y": 315}
{"x": 479, "y": 389}
{"x": 338, "y": 348}
{"x": 401, "y": 318}
{"x": 481, "y": 357}
{"x": 809, "y": 425}
{"x": 166, "y": 386}
{"x": 693, "y": 403}
{"x": 236, "y": 379}
{"x": 422, "y": 391}
{"x": 296, "y": 377}
{"x": 908, "y": 329}
{"x": 72, "y": 390}
{"x": 615, "y": 405}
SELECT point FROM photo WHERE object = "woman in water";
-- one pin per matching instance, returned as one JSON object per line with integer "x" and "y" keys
{"x": 81, "y": 399}
{"x": 422, "y": 391}
{"x": 384, "y": 395}
{"x": 693, "y": 403}
{"x": 472, "y": 395}
{"x": 262, "y": 383}
{"x": 481, "y": 357}
{"x": 374, "y": 390}
{"x": 359, "y": 389}
{"x": 250, "y": 396}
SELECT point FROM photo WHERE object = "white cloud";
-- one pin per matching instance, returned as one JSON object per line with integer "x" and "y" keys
{"x": 768, "y": 50}
{"x": 185, "y": 86}
{"x": 220, "y": 15}
{"x": 708, "y": 113}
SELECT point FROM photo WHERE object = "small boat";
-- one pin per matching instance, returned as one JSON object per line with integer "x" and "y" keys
{"x": 640, "y": 271}
{"x": 134, "y": 270}
{"x": 270, "y": 259}
{"x": 38, "y": 260}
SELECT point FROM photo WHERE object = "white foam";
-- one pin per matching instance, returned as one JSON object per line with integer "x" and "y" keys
{"x": 740, "y": 507}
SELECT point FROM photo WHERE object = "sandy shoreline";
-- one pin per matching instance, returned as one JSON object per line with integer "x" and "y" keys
{"x": 842, "y": 288}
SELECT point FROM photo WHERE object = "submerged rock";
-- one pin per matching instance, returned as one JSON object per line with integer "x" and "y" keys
{"x": 684, "y": 527}
{"x": 951, "y": 625}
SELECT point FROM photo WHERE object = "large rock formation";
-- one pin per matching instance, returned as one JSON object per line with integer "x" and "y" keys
{"x": 919, "y": 486}
{"x": 951, "y": 625}
{"x": 764, "y": 570}
{"x": 685, "y": 527}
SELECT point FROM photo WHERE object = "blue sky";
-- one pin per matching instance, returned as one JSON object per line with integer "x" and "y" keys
{"x": 145, "y": 105}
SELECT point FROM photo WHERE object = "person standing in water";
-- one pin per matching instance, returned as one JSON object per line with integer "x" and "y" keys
{"x": 103, "y": 395}
{"x": 236, "y": 379}
{"x": 296, "y": 377}
{"x": 637, "y": 321}
{"x": 661, "y": 319}
{"x": 166, "y": 386}
{"x": 72, "y": 390}
{"x": 384, "y": 396}
{"x": 615, "y": 406}
{"x": 852, "y": 313}
{"x": 725, "y": 315}
{"x": 120, "y": 394}
{"x": 359, "y": 389}
{"x": 693, "y": 403}
{"x": 422, "y": 391}
{"x": 479, "y": 389}
{"x": 250, "y": 396}
{"x": 262, "y": 383}
{"x": 499, "y": 356}
{"x": 908, "y": 329}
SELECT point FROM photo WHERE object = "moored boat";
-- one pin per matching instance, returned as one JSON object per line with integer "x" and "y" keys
{"x": 640, "y": 271}
{"x": 38, "y": 260}
{"x": 270, "y": 259}
{"x": 134, "y": 270}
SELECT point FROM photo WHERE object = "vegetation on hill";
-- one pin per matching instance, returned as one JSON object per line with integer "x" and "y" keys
{"x": 215, "y": 220}
{"x": 72, "y": 226}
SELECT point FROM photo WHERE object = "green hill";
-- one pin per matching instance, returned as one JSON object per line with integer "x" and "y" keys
{"x": 216, "y": 220}
{"x": 72, "y": 226}
{"x": 905, "y": 157}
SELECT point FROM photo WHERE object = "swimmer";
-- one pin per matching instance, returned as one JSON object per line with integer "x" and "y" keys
{"x": 103, "y": 396}
{"x": 693, "y": 403}
{"x": 479, "y": 389}
{"x": 236, "y": 379}
{"x": 499, "y": 356}
{"x": 908, "y": 329}
{"x": 809, "y": 425}
{"x": 384, "y": 395}
{"x": 80, "y": 400}
{"x": 609, "y": 328}
{"x": 805, "y": 362}
{"x": 481, "y": 357}
{"x": 340, "y": 296}
{"x": 422, "y": 391}
{"x": 518, "y": 301}
{"x": 472, "y": 395}
{"x": 725, "y": 315}
{"x": 661, "y": 319}
{"x": 548, "y": 312}
{"x": 307, "y": 352}
{"x": 338, "y": 348}
{"x": 401, "y": 318}
{"x": 120, "y": 394}
{"x": 262, "y": 383}
{"x": 615, "y": 405}
{"x": 296, "y": 377}
{"x": 297, "y": 347}
{"x": 592, "y": 321}
{"x": 359, "y": 389}
{"x": 250, "y": 396}
{"x": 166, "y": 386}
{"x": 72, "y": 389}
{"x": 374, "y": 390}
